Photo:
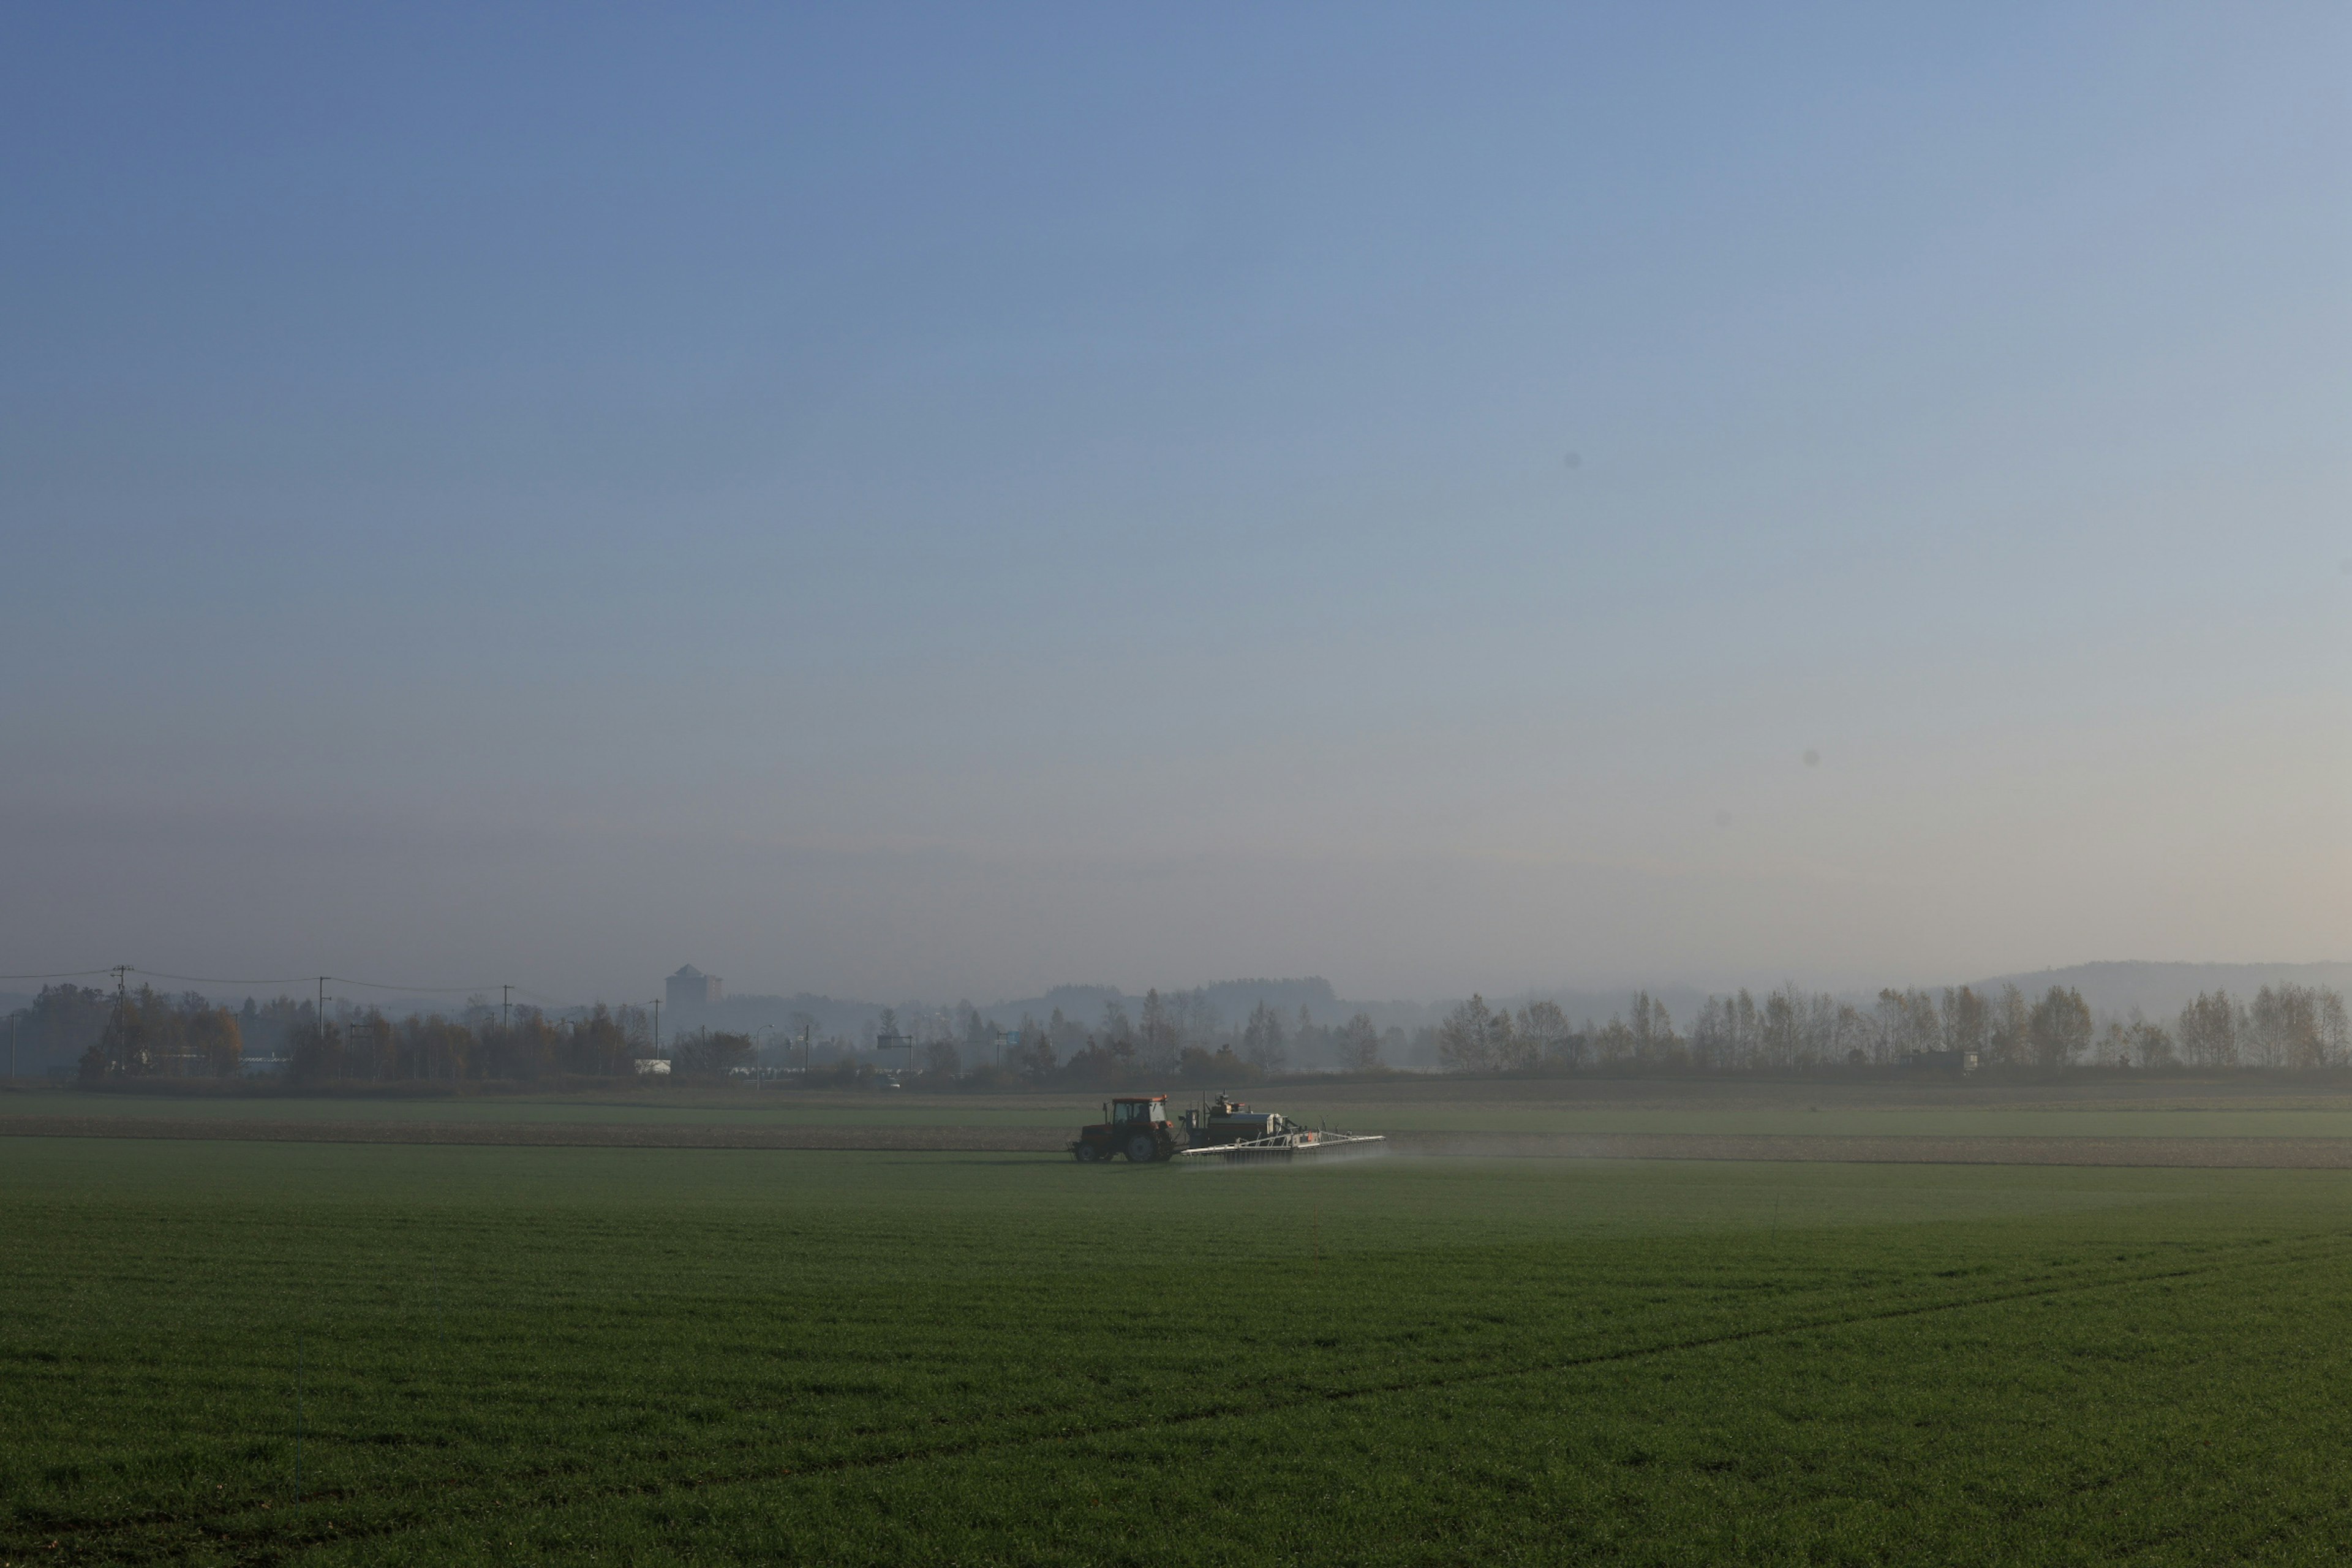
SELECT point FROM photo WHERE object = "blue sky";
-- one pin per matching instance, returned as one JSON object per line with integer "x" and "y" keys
{"x": 901, "y": 502}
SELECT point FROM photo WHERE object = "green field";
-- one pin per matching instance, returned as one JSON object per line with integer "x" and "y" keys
{"x": 646, "y": 1355}
{"x": 2155, "y": 1107}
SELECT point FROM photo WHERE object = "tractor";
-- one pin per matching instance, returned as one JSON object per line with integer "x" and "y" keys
{"x": 1220, "y": 1132}
{"x": 1135, "y": 1125}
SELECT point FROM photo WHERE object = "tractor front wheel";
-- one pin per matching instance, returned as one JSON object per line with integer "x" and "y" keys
{"x": 1087, "y": 1153}
{"x": 1142, "y": 1149}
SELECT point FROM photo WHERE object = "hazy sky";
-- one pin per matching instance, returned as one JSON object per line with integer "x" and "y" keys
{"x": 950, "y": 501}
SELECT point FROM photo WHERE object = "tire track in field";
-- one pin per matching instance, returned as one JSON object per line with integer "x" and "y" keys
{"x": 271, "y": 1549}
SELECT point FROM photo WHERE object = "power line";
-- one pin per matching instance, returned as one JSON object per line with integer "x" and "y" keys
{"x": 216, "y": 979}
{"x": 295, "y": 980}
{"x": 420, "y": 990}
{"x": 289, "y": 980}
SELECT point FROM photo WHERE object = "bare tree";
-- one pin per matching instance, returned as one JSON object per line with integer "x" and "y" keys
{"x": 1198, "y": 1020}
{"x": 1965, "y": 1021}
{"x": 1886, "y": 1022}
{"x": 1514, "y": 1051}
{"x": 1710, "y": 1037}
{"x": 2287, "y": 1027}
{"x": 1118, "y": 1033}
{"x": 2209, "y": 1031}
{"x": 1783, "y": 1029}
{"x": 1161, "y": 1036}
{"x": 1850, "y": 1035}
{"x": 1653, "y": 1029}
{"x": 2006, "y": 1029}
{"x": 1034, "y": 1057}
{"x": 1821, "y": 1031}
{"x": 1263, "y": 1045}
{"x": 1613, "y": 1042}
{"x": 1466, "y": 1041}
{"x": 1360, "y": 1044}
{"x": 2150, "y": 1044}
{"x": 2058, "y": 1028}
{"x": 1545, "y": 1028}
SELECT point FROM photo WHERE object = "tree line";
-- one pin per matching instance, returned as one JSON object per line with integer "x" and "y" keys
{"x": 146, "y": 1034}
{"x": 2284, "y": 1026}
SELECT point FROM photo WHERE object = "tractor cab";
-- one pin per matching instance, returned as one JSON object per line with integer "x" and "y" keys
{"x": 1135, "y": 1125}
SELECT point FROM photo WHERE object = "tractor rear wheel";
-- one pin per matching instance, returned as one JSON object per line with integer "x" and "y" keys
{"x": 1142, "y": 1149}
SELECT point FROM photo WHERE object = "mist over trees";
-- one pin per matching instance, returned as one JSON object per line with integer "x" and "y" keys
{"x": 145, "y": 1033}
{"x": 2281, "y": 1026}
{"x": 1179, "y": 1036}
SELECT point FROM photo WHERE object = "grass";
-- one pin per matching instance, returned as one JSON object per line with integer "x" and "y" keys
{"x": 2155, "y": 1109}
{"x": 665, "y": 1356}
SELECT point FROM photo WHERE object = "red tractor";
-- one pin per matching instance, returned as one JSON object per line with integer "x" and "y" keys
{"x": 1137, "y": 1126}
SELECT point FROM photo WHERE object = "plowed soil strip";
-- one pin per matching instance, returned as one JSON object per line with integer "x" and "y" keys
{"x": 2263, "y": 1153}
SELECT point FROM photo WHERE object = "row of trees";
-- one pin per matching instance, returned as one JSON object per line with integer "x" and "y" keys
{"x": 144, "y": 1033}
{"x": 148, "y": 1033}
{"x": 524, "y": 1043}
{"x": 2282, "y": 1026}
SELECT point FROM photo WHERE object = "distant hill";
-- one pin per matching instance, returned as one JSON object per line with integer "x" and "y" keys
{"x": 1083, "y": 1002}
{"x": 2160, "y": 989}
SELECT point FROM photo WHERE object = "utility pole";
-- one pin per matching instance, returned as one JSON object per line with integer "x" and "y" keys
{"x": 505, "y": 993}
{"x": 121, "y": 1012}
{"x": 118, "y": 1030}
{"x": 657, "y": 1026}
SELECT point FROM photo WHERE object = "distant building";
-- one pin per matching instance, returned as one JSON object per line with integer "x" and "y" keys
{"x": 689, "y": 987}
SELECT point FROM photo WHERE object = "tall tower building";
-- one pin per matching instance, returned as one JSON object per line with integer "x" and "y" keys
{"x": 690, "y": 988}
